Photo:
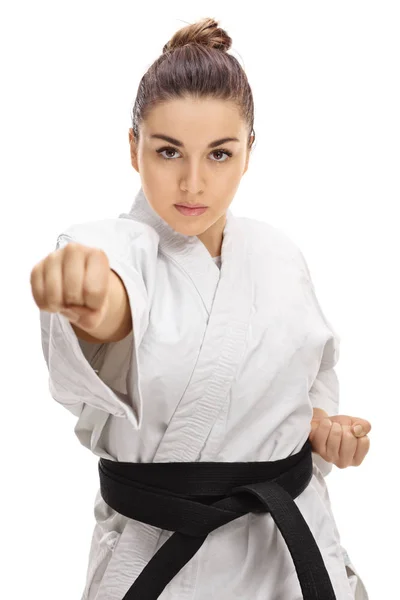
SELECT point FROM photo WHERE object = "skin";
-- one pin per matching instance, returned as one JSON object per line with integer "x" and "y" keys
{"x": 192, "y": 173}
{"x": 338, "y": 440}
{"x": 197, "y": 174}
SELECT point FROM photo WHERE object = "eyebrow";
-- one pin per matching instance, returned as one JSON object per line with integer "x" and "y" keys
{"x": 172, "y": 140}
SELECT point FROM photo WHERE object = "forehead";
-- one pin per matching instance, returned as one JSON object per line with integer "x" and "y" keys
{"x": 203, "y": 119}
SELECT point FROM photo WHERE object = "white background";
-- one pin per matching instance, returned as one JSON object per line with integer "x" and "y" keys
{"x": 325, "y": 169}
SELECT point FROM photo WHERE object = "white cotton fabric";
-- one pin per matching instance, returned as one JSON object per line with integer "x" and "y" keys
{"x": 223, "y": 364}
{"x": 217, "y": 260}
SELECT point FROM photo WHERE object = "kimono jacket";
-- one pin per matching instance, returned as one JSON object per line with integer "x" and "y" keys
{"x": 222, "y": 364}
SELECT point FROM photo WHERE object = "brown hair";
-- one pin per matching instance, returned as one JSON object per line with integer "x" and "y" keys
{"x": 195, "y": 63}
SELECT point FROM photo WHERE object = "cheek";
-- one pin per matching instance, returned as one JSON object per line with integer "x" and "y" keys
{"x": 153, "y": 170}
{"x": 228, "y": 180}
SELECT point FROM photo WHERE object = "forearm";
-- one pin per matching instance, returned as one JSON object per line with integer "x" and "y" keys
{"x": 117, "y": 323}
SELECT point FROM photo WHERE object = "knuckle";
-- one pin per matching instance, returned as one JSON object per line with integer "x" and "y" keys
{"x": 52, "y": 257}
{"x": 72, "y": 254}
{"x": 99, "y": 252}
{"x": 101, "y": 256}
{"x": 71, "y": 247}
{"x": 72, "y": 251}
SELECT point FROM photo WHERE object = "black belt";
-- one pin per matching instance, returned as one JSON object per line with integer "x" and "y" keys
{"x": 194, "y": 498}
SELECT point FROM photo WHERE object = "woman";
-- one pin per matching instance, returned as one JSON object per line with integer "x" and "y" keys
{"x": 199, "y": 340}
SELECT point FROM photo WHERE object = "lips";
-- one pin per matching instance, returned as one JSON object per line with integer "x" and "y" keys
{"x": 191, "y": 211}
{"x": 192, "y": 205}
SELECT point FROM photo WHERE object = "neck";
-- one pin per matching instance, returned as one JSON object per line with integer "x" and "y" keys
{"x": 213, "y": 236}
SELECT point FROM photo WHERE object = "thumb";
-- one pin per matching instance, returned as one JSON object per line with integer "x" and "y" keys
{"x": 361, "y": 427}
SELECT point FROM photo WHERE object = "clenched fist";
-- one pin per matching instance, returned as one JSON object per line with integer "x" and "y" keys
{"x": 75, "y": 281}
{"x": 340, "y": 439}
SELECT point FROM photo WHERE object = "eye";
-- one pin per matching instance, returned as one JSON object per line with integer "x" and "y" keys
{"x": 171, "y": 149}
{"x": 168, "y": 149}
{"x": 226, "y": 152}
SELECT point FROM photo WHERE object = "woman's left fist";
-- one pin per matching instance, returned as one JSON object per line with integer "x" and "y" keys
{"x": 338, "y": 439}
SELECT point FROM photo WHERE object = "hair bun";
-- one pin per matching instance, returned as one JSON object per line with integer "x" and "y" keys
{"x": 205, "y": 32}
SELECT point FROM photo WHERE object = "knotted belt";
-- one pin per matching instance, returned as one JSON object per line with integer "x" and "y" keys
{"x": 194, "y": 498}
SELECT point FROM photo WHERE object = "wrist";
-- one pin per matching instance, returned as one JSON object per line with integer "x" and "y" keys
{"x": 319, "y": 413}
{"x": 118, "y": 321}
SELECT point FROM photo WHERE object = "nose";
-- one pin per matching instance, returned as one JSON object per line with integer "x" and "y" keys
{"x": 192, "y": 179}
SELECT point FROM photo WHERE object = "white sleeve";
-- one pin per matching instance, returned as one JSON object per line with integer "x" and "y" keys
{"x": 325, "y": 391}
{"x": 106, "y": 375}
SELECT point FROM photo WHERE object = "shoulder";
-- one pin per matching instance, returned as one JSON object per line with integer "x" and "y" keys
{"x": 266, "y": 238}
{"x": 115, "y": 236}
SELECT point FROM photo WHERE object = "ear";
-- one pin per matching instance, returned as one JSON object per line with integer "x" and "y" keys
{"x": 133, "y": 150}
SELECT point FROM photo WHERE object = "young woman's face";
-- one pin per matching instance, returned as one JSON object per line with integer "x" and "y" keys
{"x": 190, "y": 168}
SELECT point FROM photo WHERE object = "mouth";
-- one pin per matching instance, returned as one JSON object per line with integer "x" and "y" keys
{"x": 191, "y": 211}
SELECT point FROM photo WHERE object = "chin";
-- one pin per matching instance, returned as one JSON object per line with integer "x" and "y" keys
{"x": 189, "y": 228}
{"x": 189, "y": 225}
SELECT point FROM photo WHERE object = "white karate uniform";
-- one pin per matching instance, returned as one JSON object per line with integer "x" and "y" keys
{"x": 222, "y": 365}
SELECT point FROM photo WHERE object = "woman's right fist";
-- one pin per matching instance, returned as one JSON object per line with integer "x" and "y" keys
{"x": 75, "y": 278}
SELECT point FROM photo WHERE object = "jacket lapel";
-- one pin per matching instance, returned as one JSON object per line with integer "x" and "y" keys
{"x": 227, "y": 296}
